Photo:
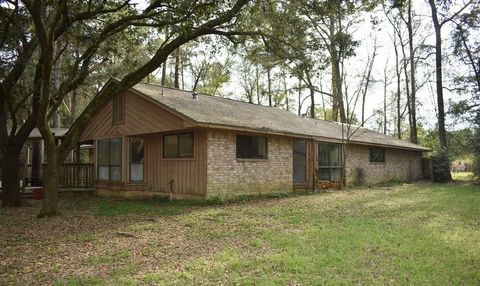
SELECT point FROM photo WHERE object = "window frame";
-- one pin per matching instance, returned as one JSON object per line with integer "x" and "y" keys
{"x": 118, "y": 107}
{"x": 251, "y": 157}
{"x": 330, "y": 167}
{"x": 192, "y": 135}
{"x": 109, "y": 160}
{"x": 130, "y": 161}
{"x": 373, "y": 158}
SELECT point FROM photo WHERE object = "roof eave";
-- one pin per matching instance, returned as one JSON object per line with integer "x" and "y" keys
{"x": 305, "y": 136}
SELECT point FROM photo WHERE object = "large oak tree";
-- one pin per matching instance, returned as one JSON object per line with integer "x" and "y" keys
{"x": 51, "y": 25}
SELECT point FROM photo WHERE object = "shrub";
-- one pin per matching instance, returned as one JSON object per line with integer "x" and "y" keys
{"x": 359, "y": 176}
{"x": 213, "y": 200}
{"x": 391, "y": 182}
{"x": 441, "y": 167}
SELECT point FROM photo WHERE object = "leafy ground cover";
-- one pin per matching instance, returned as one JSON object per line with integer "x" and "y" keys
{"x": 416, "y": 234}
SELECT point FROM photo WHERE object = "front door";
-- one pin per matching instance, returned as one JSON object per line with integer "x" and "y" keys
{"x": 300, "y": 162}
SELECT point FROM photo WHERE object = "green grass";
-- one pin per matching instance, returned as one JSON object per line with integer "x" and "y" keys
{"x": 412, "y": 234}
{"x": 426, "y": 235}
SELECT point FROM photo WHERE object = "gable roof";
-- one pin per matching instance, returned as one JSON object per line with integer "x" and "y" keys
{"x": 226, "y": 113}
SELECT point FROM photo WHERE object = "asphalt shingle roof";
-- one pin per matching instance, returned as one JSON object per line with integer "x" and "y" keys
{"x": 224, "y": 113}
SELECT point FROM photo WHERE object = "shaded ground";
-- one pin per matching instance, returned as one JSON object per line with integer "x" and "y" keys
{"x": 409, "y": 234}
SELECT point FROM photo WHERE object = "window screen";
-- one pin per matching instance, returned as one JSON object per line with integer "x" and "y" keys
{"x": 252, "y": 147}
{"x": 329, "y": 162}
{"x": 109, "y": 159}
{"x": 299, "y": 161}
{"x": 178, "y": 145}
{"x": 136, "y": 159}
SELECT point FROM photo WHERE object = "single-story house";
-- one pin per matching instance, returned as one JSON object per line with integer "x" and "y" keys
{"x": 156, "y": 141}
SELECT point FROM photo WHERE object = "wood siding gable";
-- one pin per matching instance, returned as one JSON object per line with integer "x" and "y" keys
{"x": 142, "y": 116}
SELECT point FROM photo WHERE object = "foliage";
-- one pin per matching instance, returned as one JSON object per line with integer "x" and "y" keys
{"x": 459, "y": 141}
{"x": 73, "y": 40}
{"x": 441, "y": 166}
{"x": 466, "y": 47}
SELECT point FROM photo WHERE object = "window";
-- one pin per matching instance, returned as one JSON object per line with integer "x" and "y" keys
{"x": 377, "y": 154}
{"x": 178, "y": 145}
{"x": 329, "y": 162}
{"x": 299, "y": 161}
{"x": 136, "y": 159}
{"x": 109, "y": 156}
{"x": 251, "y": 147}
{"x": 118, "y": 109}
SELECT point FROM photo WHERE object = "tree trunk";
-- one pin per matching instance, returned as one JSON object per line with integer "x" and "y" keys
{"x": 413, "y": 105}
{"x": 367, "y": 82}
{"x": 285, "y": 90}
{"x": 442, "y": 134}
{"x": 176, "y": 74}
{"x": 407, "y": 80}
{"x": 51, "y": 171}
{"x": 385, "y": 85}
{"x": 56, "y": 119}
{"x": 269, "y": 85}
{"x": 312, "y": 102}
{"x": 398, "y": 74}
{"x": 11, "y": 178}
{"x": 312, "y": 95}
{"x": 257, "y": 84}
{"x": 337, "y": 92}
{"x": 73, "y": 107}
{"x": 299, "y": 96}
{"x": 37, "y": 155}
{"x": 164, "y": 73}
{"x": 50, "y": 184}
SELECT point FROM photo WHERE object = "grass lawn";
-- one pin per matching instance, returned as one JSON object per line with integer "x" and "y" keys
{"x": 415, "y": 234}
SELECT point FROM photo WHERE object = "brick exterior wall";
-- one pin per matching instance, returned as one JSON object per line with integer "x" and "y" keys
{"x": 228, "y": 176}
{"x": 399, "y": 164}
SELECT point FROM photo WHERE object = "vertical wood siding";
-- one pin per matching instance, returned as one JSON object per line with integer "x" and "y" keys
{"x": 147, "y": 120}
{"x": 141, "y": 117}
{"x": 188, "y": 174}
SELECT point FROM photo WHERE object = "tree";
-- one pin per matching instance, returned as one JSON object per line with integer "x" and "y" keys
{"x": 51, "y": 23}
{"x": 439, "y": 20}
{"x": 331, "y": 22}
{"x": 466, "y": 47}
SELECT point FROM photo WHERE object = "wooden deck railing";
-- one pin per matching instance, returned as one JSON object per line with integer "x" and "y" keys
{"x": 72, "y": 175}
{"x": 76, "y": 176}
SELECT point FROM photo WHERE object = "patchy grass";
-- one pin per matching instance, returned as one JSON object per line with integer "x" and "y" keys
{"x": 116, "y": 208}
{"x": 425, "y": 234}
